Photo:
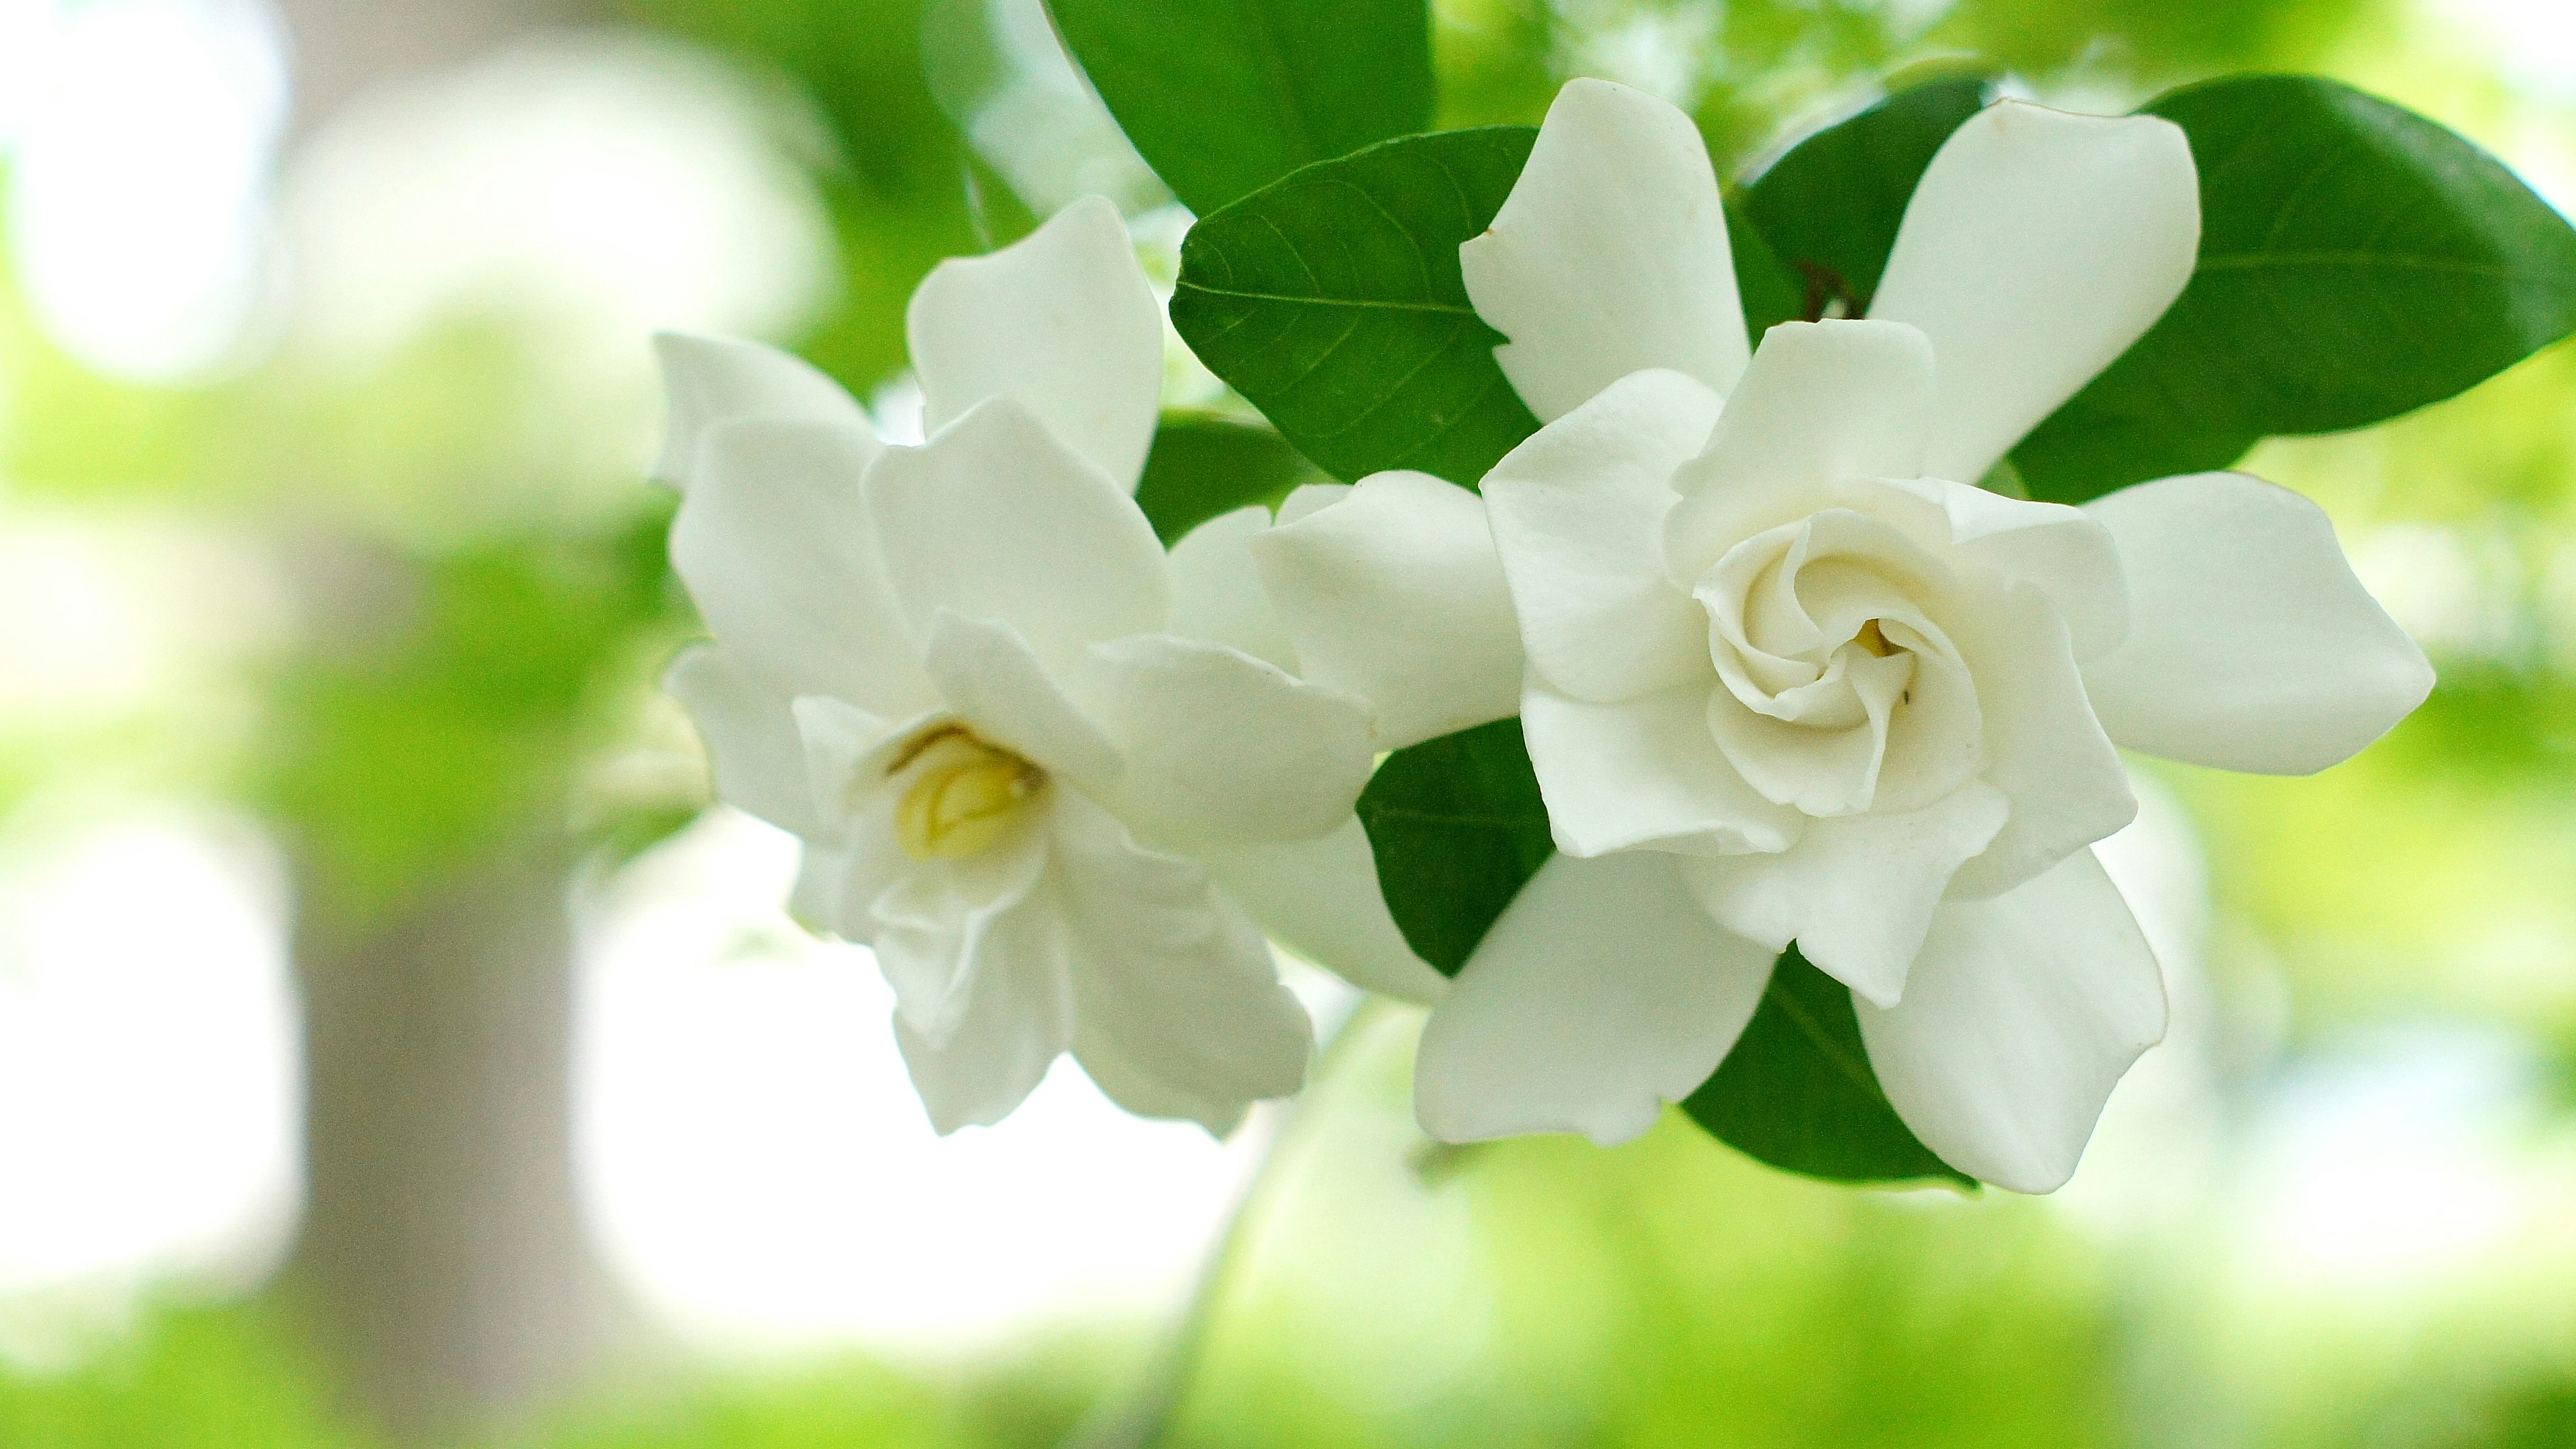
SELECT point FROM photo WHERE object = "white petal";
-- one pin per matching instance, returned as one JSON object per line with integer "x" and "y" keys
{"x": 2064, "y": 551}
{"x": 816, "y": 900}
{"x": 1578, "y": 517}
{"x": 1307, "y": 499}
{"x": 2043, "y": 747}
{"x": 775, "y": 543}
{"x": 941, "y": 928}
{"x": 1216, "y": 590}
{"x": 1170, "y": 973}
{"x": 1610, "y": 256}
{"x": 1823, "y": 402}
{"x": 847, "y": 752}
{"x": 1321, "y": 898}
{"x": 995, "y": 520}
{"x": 2023, "y": 1012}
{"x": 994, "y": 682}
{"x": 1017, "y": 1018}
{"x": 758, "y": 761}
{"x": 1395, "y": 594}
{"x": 1856, "y": 892}
{"x": 1601, "y": 993}
{"x": 712, "y": 380}
{"x": 853, "y": 856}
{"x": 1814, "y": 769}
{"x": 2037, "y": 247}
{"x": 1061, "y": 322}
{"x": 1136, "y": 1089}
{"x": 1220, "y": 747}
{"x": 2254, "y": 647}
{"x": 1644, "y": 771}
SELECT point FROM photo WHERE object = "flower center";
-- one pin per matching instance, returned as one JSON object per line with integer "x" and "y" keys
{"x": 1840, "y": 693}
{"x": 1873, "y": 639}
{"x": 965, "y": 792}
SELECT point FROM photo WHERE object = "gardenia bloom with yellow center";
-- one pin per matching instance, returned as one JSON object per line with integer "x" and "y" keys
{"x": 1787, "y": 675}
{"x": 1059, "y": 780}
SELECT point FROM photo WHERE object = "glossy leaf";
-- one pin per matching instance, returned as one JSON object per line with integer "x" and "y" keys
{"x": 1458, "y": 828}
{"x": 1333, "y": 301}
{"x": 1203, "y": 465}
{"x": 1798, "y": 1092}
{"x": 1771, "y": 292}
{"x": 2357, "y": 261}
{"x": 1829, "y": 209}
{"x": 1223, "y": 97}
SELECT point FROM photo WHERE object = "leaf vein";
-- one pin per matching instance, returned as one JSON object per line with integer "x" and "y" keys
{"x": 1443, "y": 309}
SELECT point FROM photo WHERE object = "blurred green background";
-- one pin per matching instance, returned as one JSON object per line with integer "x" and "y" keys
{"x": 392, "y": 1053}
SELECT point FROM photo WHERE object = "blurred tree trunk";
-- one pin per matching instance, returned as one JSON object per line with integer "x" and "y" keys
{"x": 442, "y": 1264}
{"x": 442, "y": 1260}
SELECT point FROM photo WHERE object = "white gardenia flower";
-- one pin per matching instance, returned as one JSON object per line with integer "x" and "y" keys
{"x": 1056, "y": 778}
{"x": 1790, "y": 676}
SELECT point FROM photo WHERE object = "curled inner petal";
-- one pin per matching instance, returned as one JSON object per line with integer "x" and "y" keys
{"x": 964, "y": 795}
{"x": 1841, "y": 695}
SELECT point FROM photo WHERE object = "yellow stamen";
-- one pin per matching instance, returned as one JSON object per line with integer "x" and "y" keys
{"x": 964, "y": 793}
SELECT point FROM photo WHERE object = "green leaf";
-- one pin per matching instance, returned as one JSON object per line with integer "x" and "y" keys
{"x": 1830, "y": 208}
{"x": 1772, "y": 293}
{"x": 1223, "y": 97}
{"x": 1458, "y": 828}
{"x": 2357, "y": 261}
{"x": 1203, "y": 465}
{"x": 1332, "y": 300}
{"x": 1798, "y": 1092}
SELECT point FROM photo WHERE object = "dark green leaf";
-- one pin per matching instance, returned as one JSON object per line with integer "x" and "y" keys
{"x": 1223, "y": 97}
{"x": 1797, "y": 1091}
{"x": 2095, "y": 444}
{"x": 1772, "y": 293}
{"x": 1203, "y": 465}
{"x": 1830, "y": 208}
{"x": 1332, "y": 299}
{"x": 1458, "y": 828}
{"x": 2357, "y": 261}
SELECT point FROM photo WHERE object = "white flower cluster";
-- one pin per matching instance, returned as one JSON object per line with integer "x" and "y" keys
{"x": 1784, "y": 671}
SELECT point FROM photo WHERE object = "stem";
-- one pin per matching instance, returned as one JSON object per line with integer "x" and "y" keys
{"x": 1144, "y": 1418}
